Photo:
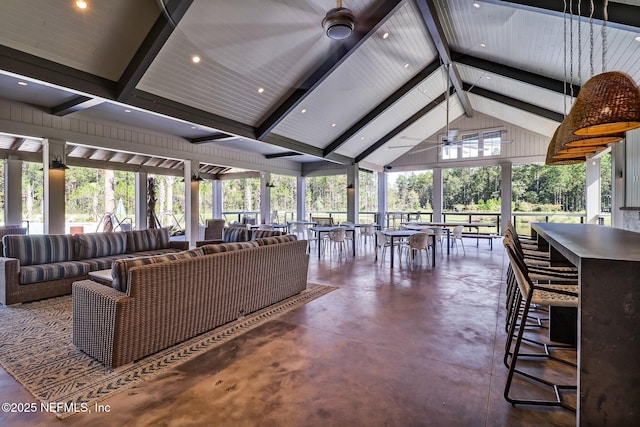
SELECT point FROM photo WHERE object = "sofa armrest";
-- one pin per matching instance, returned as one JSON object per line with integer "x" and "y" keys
{"x": 208, "y": 242}
{"x": 9, "y": 280}
{"x": 94, "y": 318}
{"x": 182, "y": 245}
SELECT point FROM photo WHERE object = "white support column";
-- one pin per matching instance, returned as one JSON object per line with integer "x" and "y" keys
{"x": 141, "y": 200}
{"x": 265, "y": 198}
{"x": 216, "y": 195}
{"x": 13, "y": 192}
{"x": 618, "y": 172}
{"x": 592, "y": 194}
{"x": 438, "y": 194}
{"x": 192, "y": 215}
{"x": 353, "y": 199}
{"x": 301, "y": 195}
{"x": 506, "y": 195}
{"x": 382, "y": 199}
{"x": 54, "y": 180}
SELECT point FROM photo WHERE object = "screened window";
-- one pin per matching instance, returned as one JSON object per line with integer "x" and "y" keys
{"x": 492, "y": 143}
{"x": 470, "y": 145}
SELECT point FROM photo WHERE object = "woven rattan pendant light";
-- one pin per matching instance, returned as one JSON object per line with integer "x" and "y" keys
{"x": 570, "y": 140}
{"x": 608, "y": 103}
{"x": 551, "y": 161}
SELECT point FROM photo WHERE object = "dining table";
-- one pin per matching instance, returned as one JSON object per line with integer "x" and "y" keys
{"x": 320, "y": 230}
{"x": 608, "y": 317}
{"x": 474, "y": 225}
{"x": 399, "y": 235}
{"x": 432, "y": 227}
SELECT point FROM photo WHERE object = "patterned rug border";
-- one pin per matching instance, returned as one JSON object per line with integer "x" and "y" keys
{"x": 97, "y": 382}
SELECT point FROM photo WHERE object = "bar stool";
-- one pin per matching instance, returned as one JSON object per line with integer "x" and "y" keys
{"x": 529, "y": 294}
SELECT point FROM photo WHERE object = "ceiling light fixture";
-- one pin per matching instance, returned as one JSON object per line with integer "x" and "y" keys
{"x": 260, "y": 89}
{"x": 339, "y": 22}
{"x": 386, "y": 36}
{"x": 81, "y": 4}
{"x": 304, "y": 110}
{"x": 23, "y": 83}
{"x": 195, "y": 59}
{"x": 476, "y": 5}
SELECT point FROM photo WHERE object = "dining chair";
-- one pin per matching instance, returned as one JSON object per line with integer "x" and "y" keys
{"x": 457, "y": 236}
{"x": 338, "y": 240}
{"x": 367, "y": 232}
{"x": 417, "y": 243}
{"x": 300, "y": 230}
{"x": 439, "y": 235}
{"x": 382, "y": 243}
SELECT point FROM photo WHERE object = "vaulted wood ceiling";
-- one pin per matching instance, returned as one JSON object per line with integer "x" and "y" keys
{"x": 270, "y": 81}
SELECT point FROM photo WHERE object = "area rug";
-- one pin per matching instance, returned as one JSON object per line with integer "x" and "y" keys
{"x": 36, "y": 349}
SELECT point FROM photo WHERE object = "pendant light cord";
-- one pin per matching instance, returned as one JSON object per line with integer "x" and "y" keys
{"x": 604, "y": 34}
{"x": 591, "y": 37}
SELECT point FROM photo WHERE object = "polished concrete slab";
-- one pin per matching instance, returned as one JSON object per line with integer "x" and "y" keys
{"x": 388, "y": 348}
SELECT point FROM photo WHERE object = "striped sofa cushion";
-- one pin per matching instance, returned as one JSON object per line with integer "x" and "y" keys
{"x": 227, "y": 247}
{"x": 235, "y": 234}
{"x": 258, "y": 234}
{"x": 39, "y": 249}
{"x": 96, "y": 245}
{"x": 53, "y": 271}
{"x": 276, "y": 239}
{"x": 120, "y": 267}
{"x": 147, "y": 240}
{"x": 105, "y": 263}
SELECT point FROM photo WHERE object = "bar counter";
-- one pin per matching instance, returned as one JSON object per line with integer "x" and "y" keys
{"x": 608, "y": 260}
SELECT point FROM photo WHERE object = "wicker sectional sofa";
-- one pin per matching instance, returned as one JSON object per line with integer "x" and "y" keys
{"x": 167, "y": 301}
{"x": 45, "y": 265}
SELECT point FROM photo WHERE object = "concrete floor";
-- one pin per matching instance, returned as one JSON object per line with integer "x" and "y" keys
{"x": 388, "y": 348}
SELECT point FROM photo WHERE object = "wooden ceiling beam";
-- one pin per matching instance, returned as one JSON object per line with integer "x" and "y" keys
{"x": 395, "y": 132}
{"x": 620, "y": 16}
{"x": 78, "y": 103}
{"x": 150, "y": 47}
{"x": 365, "y": 29}
{"x": 543, "y": 82}
{"x": 431, "y": 19}
{"x": 516, "y": 103}
{"x": 382, "y": 107}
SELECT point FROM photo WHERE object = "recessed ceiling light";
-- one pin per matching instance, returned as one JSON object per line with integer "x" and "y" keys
{"x": 406, "y": 65}
{"x": 362, "y": 138}
{"x": 333, "y": 125}
{"x": 127, "y": 111}
{"x": 304, "y": 110}
{"x": 260, "y": 89}
{"x": 385, "y": 36}
{"x": 194, "y": 127}
{"x": 476, "y": 5}
{"x": 638, "y": 39}
{"x": 81, "y": 4}
{"x": 23, "y": 83}
{"x": 483, "y": 45}
{"x": 195, "y": 59}
{"x": 487, "y": 77}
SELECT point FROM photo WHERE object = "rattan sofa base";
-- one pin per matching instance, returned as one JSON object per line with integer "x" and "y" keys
{"x": 169, "y": 302}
